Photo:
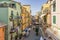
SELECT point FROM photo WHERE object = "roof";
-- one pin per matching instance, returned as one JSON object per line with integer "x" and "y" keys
{"x": 2, "y": 24}
{"x": 11, "y": 2}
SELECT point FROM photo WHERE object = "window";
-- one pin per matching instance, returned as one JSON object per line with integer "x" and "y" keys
{"x": 54, "y": 6}
{"x": 18, "y": 15}
{"x": 18, "y": 21}
{"x": 11, "y": 16}
{"x": 13, "y": 6}
{"x": 5, "y": 4}
{"x": 45, "y": 20}
{"x": 1, "y": 5}
{"x": 54, "y": 19}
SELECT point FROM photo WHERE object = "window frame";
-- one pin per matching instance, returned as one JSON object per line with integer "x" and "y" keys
{"x": 54, "y": 6}
{"x": 54, "y": 19}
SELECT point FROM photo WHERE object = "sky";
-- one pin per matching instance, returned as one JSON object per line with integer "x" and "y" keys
{"x": 35, "y": 4}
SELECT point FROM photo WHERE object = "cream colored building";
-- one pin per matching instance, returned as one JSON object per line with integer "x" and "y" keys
{"x": 46, "y": 14}
{"x": 54, "y": 31}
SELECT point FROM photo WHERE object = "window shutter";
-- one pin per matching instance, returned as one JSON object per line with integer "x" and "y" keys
{"x": 54, "y": 19}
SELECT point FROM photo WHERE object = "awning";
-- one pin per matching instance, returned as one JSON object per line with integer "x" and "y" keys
{"x": 42, "y": 15}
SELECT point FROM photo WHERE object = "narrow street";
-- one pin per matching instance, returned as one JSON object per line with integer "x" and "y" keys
{"x": 32, "y": 35}
{"x": 29, "y": 20}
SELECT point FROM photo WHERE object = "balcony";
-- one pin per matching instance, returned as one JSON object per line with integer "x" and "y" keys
{"x": 12, "y": 5}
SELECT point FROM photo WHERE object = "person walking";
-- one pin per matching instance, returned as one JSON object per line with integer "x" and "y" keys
{"x": 37, "y": 30}
{"x": 41, "y": 38}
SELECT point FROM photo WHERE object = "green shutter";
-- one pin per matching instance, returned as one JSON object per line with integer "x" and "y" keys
{"x": 54, "y": 6}
{"x": 54, "y": 19}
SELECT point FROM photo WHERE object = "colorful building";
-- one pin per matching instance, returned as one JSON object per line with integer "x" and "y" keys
{"x": 28, "y": 9}
{"x": 23, "y": 20}
{"x": 9, "y": 11}
{"x": 46, "y": 16}
{"x": 25, "y": 16}
{"x": 46, "y": 12}
{"x": 54, "y": 30}
{"x": 2, "y": 31}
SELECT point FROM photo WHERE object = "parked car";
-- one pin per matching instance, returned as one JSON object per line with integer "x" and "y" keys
{"x": 41, "y": 38}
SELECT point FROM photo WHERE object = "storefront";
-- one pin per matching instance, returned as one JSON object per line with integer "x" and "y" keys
{"x": 2, "y": 31}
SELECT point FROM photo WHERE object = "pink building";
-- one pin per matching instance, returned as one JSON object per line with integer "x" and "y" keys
{"x": 54, "y": 31}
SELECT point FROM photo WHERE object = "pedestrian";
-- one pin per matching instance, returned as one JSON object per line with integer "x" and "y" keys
{"x": 36, "y": 30}
{"x": 29, "y": 29}
{"x": 20, "y": 36}
{"x": 41, "y": 38}
{"x": 16, "y": 37}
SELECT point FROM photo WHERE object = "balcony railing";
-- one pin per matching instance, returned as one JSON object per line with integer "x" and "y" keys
{"x": 7, "y": 5}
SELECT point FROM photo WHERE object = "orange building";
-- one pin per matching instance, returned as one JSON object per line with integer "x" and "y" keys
{"x": 25, "y": 16}
{"x": 23, "y": 20}
{"x": 28, "y": 11}
{"x": 2, "y": 31}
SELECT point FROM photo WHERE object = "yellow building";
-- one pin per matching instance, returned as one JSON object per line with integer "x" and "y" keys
{"x": 37, "y": 17}
{"x": 25, "y": 16}
{"x": 28, "y": 9}
{"x": 46, "y": 15}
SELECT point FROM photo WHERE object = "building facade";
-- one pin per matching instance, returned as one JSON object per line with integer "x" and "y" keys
{"x": 23, "y": 20}
{"x": 55, "y": 25}
{"x": 54, "y": 30}
{"x": 25, "y": 16}
{"x": 46, "y": 12}
{"x": 28, "y": 9}
{"x": 9, "y": 13}
{"x": 46, "y": 15}
{"x": 2, "y": 31}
